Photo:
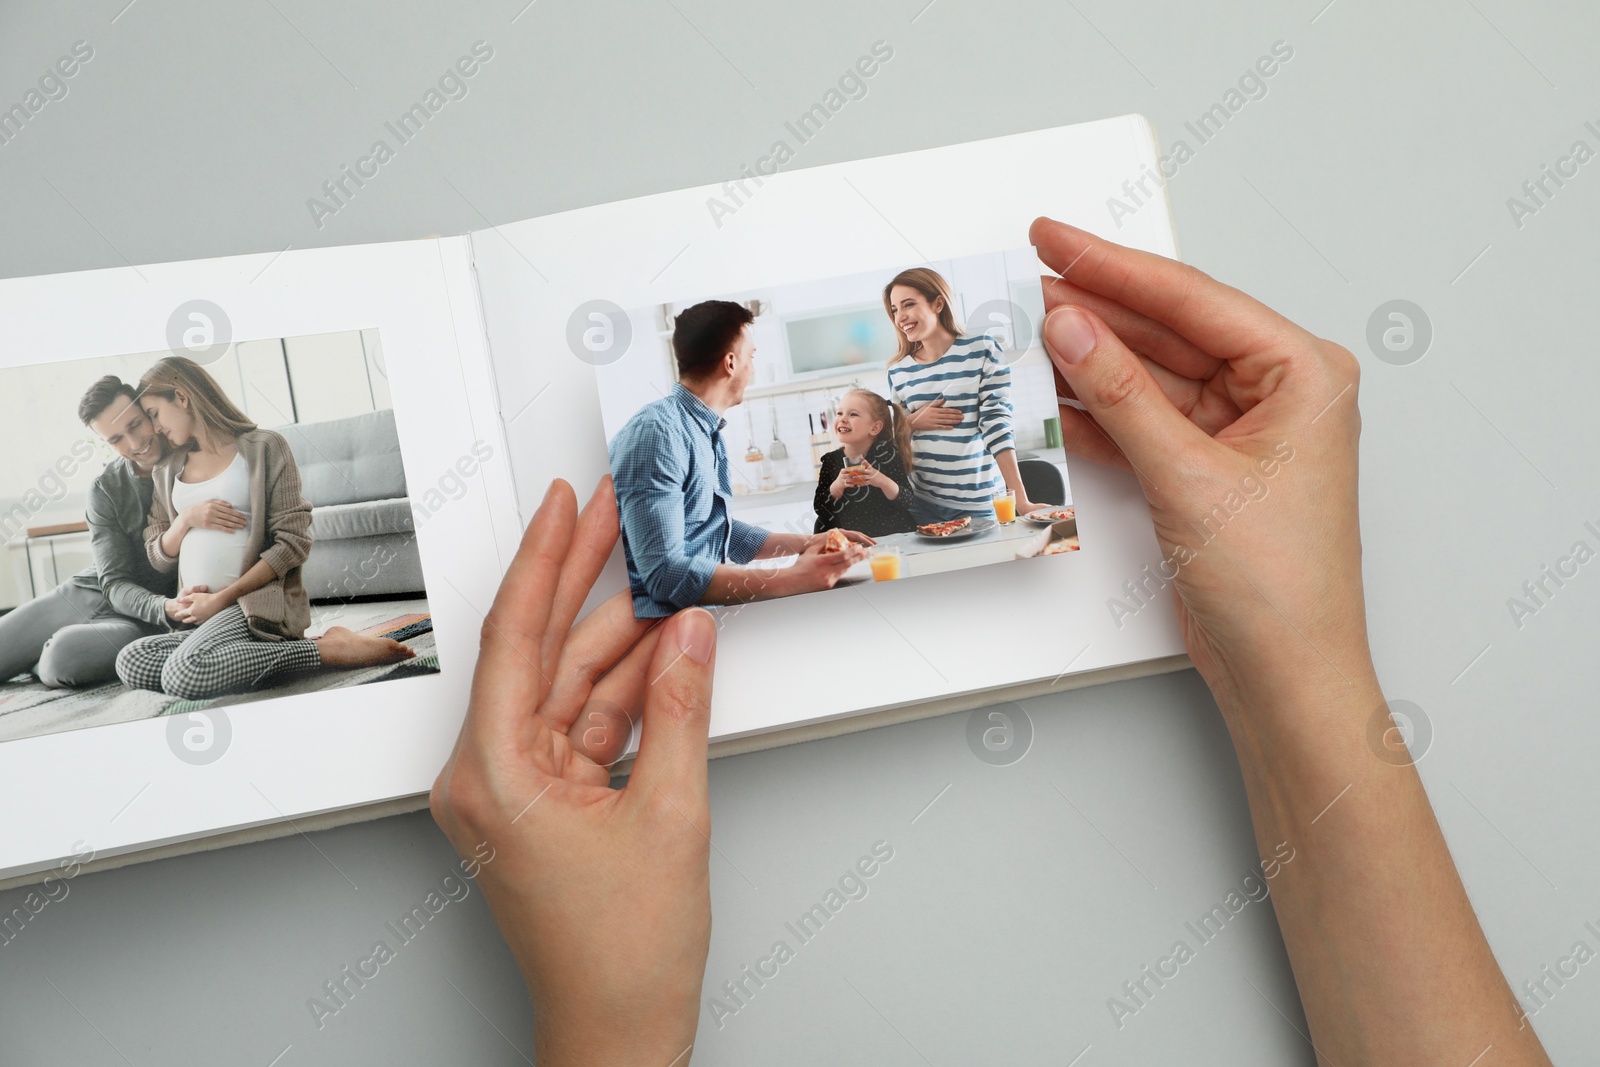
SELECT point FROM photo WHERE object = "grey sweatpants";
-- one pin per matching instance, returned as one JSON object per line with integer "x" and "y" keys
{"x": 69, "y": 637}
{"x": 219, "y": 656}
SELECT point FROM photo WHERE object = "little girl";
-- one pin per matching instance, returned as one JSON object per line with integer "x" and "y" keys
{"x": 865, "y": 484}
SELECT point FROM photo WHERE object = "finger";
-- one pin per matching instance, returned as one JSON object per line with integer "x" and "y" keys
{"x": 508, "y": 683}
{"x": 1141, "y": 333}
{"x": 1119, "y": 392}
{"x": 1082, "y": 436}
{"x": 1218, "y": 318}
{"x": 1205, "y": 403}
{"x": 592, "y": 542}
{"x": 601, "y": 730}
{"x": 677, "y": 717}
{"x": 594, "y": 647}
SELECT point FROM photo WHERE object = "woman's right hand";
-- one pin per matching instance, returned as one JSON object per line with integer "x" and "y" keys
{"x": 935, "y": 416}
{"x": 214, "y": 515}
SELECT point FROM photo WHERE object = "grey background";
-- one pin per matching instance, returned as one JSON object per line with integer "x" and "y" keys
{"x": 1377, "y": 167}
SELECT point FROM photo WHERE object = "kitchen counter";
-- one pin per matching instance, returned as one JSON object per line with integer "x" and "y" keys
{"x": 993, "y": 544}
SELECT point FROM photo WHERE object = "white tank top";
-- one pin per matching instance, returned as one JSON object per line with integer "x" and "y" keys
{"x": 214, "y": 558}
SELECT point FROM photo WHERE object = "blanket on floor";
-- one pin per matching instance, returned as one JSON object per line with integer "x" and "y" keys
{"x": 28, "y": 709}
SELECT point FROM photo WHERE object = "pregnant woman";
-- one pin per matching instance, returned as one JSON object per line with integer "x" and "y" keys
{"x": 958, "y": 390}
{"x": 228, "y": 515}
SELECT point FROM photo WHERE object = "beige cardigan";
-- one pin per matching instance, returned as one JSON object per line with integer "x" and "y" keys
{"x": 280, "y": 532}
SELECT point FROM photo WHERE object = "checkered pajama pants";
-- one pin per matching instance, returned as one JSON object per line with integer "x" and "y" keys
{"x": 219, "y": 656}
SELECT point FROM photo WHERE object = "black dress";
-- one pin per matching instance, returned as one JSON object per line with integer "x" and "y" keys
{"x": 865, "y": 508}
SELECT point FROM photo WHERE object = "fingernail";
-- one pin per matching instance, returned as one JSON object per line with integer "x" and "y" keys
{"x": 697, "y": 634}
{"x": 1069, "y": 334}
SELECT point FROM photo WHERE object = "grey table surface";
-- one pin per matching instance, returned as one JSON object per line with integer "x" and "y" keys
{"x": 1378, "y": 165}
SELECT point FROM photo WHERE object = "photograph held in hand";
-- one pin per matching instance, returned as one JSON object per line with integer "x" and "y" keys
{"x": 924, "y": 392}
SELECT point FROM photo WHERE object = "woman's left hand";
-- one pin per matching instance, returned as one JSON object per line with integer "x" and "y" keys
{"x": 1024, "y": 505}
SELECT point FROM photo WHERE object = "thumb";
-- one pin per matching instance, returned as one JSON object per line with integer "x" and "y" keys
{"x": 677, "y": 713}
{"x": 1117, "y": 390}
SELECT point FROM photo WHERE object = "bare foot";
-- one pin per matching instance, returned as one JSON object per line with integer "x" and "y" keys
{"x": 343, "y": 647}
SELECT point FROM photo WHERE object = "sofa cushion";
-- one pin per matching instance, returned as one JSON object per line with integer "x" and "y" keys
{"x": 365, "y": 518}
{"x": 342, "y": 461}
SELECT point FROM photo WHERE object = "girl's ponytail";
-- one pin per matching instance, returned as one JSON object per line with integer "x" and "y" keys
{"x": 900, "y": 426}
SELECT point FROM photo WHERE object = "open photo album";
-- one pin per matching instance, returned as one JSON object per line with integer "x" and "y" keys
{"x": 254, "y": 509}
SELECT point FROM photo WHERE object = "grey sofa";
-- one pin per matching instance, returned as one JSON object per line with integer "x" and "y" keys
{"x": 363, "y": 539}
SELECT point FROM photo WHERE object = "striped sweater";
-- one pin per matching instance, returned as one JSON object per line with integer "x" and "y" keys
{"x": 954, "y": 467}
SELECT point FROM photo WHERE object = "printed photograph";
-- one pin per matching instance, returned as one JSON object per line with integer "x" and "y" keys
{"x": 872, "y": 427}
{"x": 183, "y": 533}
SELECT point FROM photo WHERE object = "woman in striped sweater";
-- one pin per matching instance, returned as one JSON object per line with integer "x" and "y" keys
{"x": 958, "y": 390}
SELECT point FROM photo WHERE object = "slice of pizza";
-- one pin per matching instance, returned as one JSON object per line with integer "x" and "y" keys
{"x": 946, "y": 528}
{"x": 834, "y": 541}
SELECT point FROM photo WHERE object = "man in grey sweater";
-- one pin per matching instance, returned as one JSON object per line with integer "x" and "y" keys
{"x": 71, "y": 635}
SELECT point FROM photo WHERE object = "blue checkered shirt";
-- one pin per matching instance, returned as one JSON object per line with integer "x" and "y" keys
{"x": 670, "y": 467}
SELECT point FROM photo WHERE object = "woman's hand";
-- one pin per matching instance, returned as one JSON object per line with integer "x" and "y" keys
{"x": 196, "y": 605}
{"x": 935, "y": 416}
{"x": 1242, "y": 429}
{"x": 213, "y": 515}
{"x": 177, "y": 608}
{"x": 603, "y": 894}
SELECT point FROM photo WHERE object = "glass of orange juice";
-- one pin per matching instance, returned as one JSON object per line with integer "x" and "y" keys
{"x": 885, "y": 562}
{"x": 1005, "y": 507}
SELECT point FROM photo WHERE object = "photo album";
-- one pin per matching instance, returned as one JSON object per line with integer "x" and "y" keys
{"x": 255, "y": 508}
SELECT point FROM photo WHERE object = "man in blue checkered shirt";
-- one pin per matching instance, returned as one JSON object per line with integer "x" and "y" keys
{"x": 670, "y": 466}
